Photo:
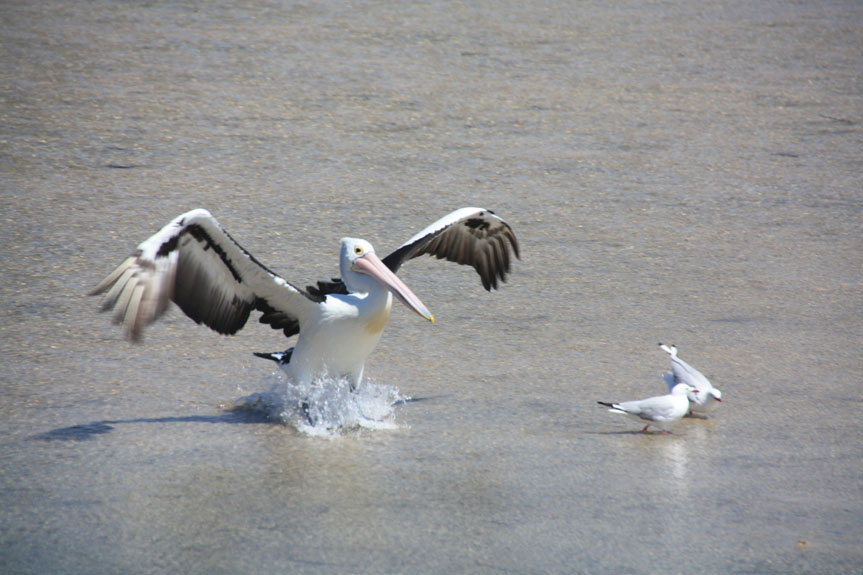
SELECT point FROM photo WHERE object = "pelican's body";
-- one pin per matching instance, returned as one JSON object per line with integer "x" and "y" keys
{"x": 707, "y": 398}
{"x": 196, "y": 264}
{"x": 661, "y": 411}
{"x": 342, "y": 332}
{"x": 339, "y": 337}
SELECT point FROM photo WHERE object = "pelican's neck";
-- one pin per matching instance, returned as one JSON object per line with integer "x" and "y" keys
{"x": 374, "y": 300}
{"x": 376, "y": 314}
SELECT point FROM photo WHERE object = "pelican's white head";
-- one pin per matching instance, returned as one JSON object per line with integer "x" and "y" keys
{"x": 363, "y": 271}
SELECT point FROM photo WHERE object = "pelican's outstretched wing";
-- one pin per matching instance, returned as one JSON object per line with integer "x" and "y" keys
{"x": 195, "y": 263}
{"x": 468, "y": 236}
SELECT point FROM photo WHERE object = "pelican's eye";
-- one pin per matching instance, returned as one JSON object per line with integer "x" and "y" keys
{"x": 358, "y": 250}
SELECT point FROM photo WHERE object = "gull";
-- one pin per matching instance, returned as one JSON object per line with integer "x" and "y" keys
{"x": 706, "y": 398}
{"x": 661, "y": 411}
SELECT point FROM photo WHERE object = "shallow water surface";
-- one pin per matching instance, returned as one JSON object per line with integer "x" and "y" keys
{"x": 677, "y": 172}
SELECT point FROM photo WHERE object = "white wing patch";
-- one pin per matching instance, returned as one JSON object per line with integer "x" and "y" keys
{"x": 195, "y": 263}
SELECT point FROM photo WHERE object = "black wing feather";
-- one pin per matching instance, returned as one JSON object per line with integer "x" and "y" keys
{"x": 470, "y": 236}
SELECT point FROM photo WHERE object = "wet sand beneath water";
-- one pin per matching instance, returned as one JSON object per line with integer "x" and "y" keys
{"x": 686, "y": 173}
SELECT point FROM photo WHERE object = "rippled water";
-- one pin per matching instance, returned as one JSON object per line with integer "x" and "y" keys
{"x": 677, "y": 172}
{"x": 326, "y": 408}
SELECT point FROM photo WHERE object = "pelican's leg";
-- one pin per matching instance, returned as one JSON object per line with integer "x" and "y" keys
{"x": 355, "y": 378}
{"x": 301, "y": 380}
{"x": 304, "y": 406}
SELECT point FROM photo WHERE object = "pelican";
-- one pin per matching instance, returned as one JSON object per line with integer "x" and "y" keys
{"x": 707, "y": 398}
{"x": 195, "y": 263}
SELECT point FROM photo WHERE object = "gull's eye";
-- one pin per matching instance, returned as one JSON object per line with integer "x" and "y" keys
{"x": 358, "y": 250}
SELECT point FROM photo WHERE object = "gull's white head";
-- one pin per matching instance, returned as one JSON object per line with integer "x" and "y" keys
{"x": 683, "y": 389}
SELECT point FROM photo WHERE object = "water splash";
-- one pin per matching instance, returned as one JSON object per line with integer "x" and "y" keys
{"x": 326, "y": 408}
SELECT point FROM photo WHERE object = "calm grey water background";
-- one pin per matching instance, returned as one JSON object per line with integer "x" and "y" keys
{"x": 684, "y": 172}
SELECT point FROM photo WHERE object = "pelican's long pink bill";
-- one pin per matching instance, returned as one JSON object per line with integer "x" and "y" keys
{"x": 372, "y": 265}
